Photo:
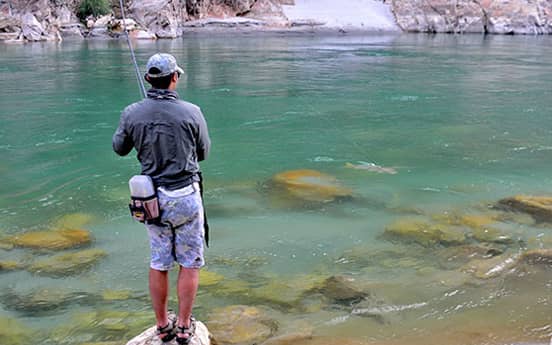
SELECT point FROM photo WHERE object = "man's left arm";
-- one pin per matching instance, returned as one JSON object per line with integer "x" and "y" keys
{"x": 122, "y": 142}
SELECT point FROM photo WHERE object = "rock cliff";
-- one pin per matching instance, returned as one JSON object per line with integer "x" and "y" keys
{"x": 37, "y": 20}
{"x": 474, "y": 16}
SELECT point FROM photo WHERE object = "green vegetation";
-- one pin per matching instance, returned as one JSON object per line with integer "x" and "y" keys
{"x": 93, "y": 7}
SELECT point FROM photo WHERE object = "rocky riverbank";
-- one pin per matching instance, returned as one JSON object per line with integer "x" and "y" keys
{"x": 51, "y": 20}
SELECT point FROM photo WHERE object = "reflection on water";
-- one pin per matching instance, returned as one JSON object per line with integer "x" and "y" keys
{"x": 324, "y": 253}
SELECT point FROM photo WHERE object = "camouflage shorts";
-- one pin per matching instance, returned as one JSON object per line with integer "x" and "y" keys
{"x": 180, "y": 235}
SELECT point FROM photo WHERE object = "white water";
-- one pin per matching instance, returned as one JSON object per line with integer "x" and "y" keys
{"x": 351, "y": 14}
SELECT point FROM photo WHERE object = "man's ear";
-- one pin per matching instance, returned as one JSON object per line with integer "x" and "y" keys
{"x": 175, "y": 77}
{"x": 146, "y": 77}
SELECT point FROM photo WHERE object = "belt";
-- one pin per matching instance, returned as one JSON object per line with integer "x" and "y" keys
{"x": 177, "y": 193}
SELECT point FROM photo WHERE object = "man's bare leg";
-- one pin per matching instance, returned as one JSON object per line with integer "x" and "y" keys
{"x": 159, "y": 291}
{"x": 188, "y": 280}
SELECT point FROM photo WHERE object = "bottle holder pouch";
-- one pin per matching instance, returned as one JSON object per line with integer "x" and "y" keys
{"x": 144, "y": 210}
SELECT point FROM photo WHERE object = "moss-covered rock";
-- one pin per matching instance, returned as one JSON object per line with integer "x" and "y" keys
{"x": 250, "y": 262}
{"x": 209, "y": 278}
{"x": 13, "y": 332}
{"x": 232, "y": 287}
{"x": 116, "y": 295}
{"x": 51, "y": 239}
{"x": 67, "y": 264}
{"x": 308, "y": 185}
{"x": 423, "y": 233}
{"x": 491, "y": 235}
{"x": 539, "y": 207}
{"x": 477, "y": 221}
{"x": 10, "y": 265}
{"x": 240, "y": 324}
{"x": 6, "y": 246}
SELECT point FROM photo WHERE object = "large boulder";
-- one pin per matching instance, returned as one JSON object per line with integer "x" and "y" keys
{"x": 160, "y": 17}
{"x": 269, "y": 11}
{"x": 149, "y": 337}
{"x": 31, "y": 28}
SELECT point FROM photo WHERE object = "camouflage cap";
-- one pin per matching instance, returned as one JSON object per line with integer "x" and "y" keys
{"x": 161, "y": 65}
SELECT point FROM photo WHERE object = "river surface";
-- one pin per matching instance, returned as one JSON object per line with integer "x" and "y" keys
{"x": 464, "y": 120}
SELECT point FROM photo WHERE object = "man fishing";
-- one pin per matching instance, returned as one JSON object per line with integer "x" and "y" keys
{"x": 170, "y": 137}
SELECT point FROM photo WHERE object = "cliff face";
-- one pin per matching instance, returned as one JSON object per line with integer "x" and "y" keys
{"x": 475, "y": 16}
{"x": 36, "y": 20}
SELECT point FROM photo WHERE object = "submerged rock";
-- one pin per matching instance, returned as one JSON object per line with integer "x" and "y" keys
{"x": 208, "y": 278}
{"x": 240, "y": 324}
{"x": 67, "y": 264}
{"x": 539, "y": 207}
{"x": 116, "y": 295}
{"x": 491, "y": 235}
{"x": 341, "y": 290}
{"x": 423, "y": 233}
{"x": 290, "y": 338}
{"x": 286, "y": 293}
{"x": 232, "y": 287}
{"x": 455, "y": 257}
{"x": 538, "y": 257}
{"x": 51, "y": 240}
{"x": 10, "y": 265}
{"x": 308, "y": 185}
{"x": 13, "y": 332}
{"x": 491, "y": 268}
{"x": 42, "y": 300}
{"x": 101, "y": 326}
{"x": 73, "y": 221}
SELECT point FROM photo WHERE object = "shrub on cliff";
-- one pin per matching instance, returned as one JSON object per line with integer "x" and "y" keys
{"x": 93, "y": 7}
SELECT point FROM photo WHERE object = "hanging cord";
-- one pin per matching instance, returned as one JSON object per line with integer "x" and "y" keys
{"x": 136, "y": 69}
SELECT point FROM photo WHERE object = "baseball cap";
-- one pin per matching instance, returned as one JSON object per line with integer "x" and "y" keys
{"x": 161, "y": 65}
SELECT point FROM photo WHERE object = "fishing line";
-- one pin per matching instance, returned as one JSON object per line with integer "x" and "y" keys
{"x": 136, "y": 69}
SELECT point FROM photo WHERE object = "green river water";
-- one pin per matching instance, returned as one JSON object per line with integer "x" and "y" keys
{"x": 465, "y": 121}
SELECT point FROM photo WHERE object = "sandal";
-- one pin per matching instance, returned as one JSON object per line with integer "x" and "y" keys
{"x": 168, "y": 330}
{"x": 187, "y": 331}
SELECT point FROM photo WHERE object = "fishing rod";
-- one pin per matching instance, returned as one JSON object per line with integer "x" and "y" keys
{"x": 136, "y": 69}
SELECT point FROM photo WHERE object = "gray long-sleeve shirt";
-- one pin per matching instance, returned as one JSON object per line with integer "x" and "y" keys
{"x": 169, "y": 135}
